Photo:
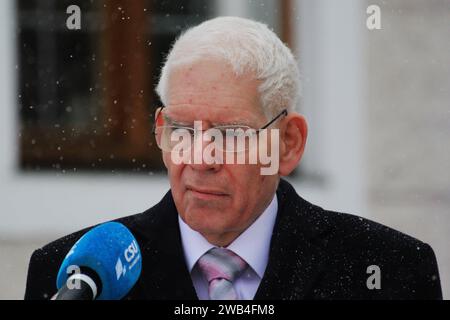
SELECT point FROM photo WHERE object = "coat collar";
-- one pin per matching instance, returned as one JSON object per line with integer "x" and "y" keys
{"x": 297, "y": 254}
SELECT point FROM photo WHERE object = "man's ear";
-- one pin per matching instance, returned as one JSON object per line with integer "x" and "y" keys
{"x": 160, "y": 119}
{"x": 294, "y": 131}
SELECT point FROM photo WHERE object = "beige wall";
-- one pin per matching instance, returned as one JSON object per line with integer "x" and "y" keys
{"x": 408, "y": 100}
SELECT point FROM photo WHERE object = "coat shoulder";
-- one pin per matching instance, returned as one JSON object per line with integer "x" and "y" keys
{"x": 356, "y": 231}
{"x": 343, "y": 231}
{"x": 351, "y": 246}
{"x": 359, "y": 246}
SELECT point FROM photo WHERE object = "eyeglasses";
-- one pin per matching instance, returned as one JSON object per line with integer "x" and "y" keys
{"x": 227, "y": 138}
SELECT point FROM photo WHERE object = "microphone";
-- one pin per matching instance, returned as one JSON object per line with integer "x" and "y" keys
{"x": 104, "y": 264}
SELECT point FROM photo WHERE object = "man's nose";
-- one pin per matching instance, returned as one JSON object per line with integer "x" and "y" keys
{"x": 204, "y": 155}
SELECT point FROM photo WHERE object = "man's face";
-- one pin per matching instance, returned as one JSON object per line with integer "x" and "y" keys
{"x": 220, "y": 200}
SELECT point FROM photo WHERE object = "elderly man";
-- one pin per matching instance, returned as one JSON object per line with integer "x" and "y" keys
{"x": 230, "y": 229}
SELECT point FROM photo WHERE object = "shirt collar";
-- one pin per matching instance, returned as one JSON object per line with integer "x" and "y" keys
{"x": 252, "y": 245}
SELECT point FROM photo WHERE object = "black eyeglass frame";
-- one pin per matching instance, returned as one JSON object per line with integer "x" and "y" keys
{"x": 283, "y": 112}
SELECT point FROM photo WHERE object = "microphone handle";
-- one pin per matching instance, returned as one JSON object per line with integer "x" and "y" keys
{"x": 83, "y": 292}
{"x": 83, "y": 286}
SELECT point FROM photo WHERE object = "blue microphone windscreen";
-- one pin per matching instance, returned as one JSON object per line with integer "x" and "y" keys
{"x": 112, "y": 252}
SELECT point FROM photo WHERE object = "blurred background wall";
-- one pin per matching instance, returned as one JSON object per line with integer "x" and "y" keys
{"x": 77, "y": 105}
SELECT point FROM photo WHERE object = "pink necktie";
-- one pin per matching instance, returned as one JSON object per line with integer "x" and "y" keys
{"x": 221, "y": 267}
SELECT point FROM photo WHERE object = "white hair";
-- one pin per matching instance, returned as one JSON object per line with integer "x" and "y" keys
{"x": 247, "y": 46}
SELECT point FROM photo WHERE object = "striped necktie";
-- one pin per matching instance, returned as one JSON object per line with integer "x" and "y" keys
{"x": 221, "y": 267}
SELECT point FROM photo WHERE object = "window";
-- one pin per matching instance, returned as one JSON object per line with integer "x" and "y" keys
{"x": 87, "y": 96}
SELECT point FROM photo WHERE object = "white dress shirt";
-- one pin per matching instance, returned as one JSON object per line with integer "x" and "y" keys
{"x": 252, "y": 245}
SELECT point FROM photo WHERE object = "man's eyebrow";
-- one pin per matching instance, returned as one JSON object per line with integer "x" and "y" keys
{"x": 214, "y": 124}
{"x": 236, "y": 121}
{"x": 175, "y": 122}
{"x": 231, "y": 123}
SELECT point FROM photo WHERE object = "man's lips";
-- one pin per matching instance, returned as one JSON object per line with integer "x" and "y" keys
{"x": 206, "y": 192}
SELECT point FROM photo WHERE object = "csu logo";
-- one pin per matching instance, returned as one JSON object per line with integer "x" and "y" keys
{"x": 130, "y": 253}
{"x": 120, "y": 269}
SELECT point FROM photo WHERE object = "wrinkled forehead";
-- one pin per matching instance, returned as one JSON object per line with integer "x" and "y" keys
{"x": 210, "y": 90}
